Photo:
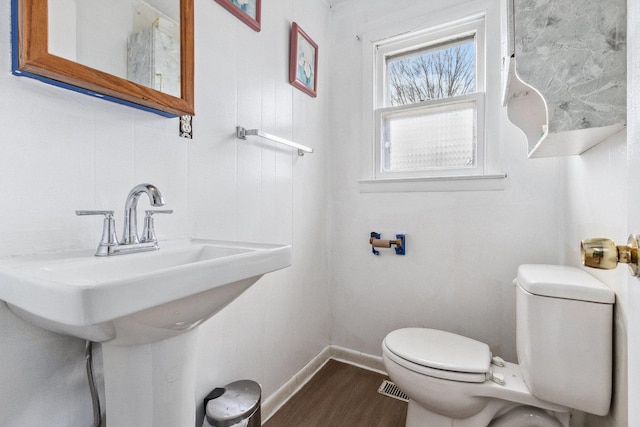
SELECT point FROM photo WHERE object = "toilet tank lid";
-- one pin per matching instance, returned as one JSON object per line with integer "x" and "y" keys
{"x": 561, "y": 281}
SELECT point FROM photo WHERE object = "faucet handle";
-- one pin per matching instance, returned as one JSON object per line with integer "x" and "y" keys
{"x": 109, "y": 241}
{"x": 149, "y": 232}
{"x": 107, "y": 214}
{"x": 158, "y": 211}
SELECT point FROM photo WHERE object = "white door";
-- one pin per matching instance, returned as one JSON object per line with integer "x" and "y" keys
{"x": 633, "y": 197}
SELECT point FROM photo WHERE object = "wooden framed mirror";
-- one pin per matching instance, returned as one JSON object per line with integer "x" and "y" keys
{"x": 50, "y": 50}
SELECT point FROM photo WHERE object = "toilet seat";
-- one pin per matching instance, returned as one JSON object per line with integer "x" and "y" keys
{"x": 439, "y": 354}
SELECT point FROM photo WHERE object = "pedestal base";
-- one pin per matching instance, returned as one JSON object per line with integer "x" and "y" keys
{"x": 151, "y": 385}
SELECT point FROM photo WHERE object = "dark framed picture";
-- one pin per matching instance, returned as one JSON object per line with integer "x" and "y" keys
{"x": 303, "y": 61}
{"x": 248, "y": 11}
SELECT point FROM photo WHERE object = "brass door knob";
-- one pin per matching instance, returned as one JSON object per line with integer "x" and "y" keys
{"x": 605, "y": 254}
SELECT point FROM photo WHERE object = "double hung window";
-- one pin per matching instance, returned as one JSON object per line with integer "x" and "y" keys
{"x": 429, "y": 103}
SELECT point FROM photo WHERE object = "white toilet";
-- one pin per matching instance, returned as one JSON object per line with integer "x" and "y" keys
{"x": 564, "y": 344}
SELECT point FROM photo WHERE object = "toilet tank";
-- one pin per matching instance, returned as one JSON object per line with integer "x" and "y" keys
{"x": 564, "y": 319}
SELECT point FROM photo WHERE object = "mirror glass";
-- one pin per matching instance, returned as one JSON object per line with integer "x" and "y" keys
{"x": 135, "y": 40}
{"x": 136, "y": 51}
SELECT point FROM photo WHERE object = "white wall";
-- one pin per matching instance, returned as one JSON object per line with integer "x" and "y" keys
{"x": 463, "y": 248}
{"x": 63, "y": 151}
{"x": 262, "y": 192}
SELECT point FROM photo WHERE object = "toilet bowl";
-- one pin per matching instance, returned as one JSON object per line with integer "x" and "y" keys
{"x": 453, "y": 381}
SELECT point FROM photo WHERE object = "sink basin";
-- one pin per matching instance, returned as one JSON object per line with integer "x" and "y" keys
{"x": 135, "y": 298}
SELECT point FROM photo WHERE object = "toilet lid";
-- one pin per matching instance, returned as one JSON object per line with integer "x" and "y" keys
{"x": 441, "y": 350}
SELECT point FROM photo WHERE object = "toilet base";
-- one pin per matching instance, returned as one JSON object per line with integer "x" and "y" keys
{"x": 527, "y": 416}
{"x": 417, "y": 416}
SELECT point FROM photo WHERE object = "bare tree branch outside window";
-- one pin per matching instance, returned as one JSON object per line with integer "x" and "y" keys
{"x": 432, "y": 74}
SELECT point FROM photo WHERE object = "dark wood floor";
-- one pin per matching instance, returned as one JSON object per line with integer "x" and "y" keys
{"x": 341, "y": 395}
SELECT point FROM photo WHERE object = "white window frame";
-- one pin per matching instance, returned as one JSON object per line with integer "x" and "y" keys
{"x": 430, "y": 25}
{"x": 413, "y": 41}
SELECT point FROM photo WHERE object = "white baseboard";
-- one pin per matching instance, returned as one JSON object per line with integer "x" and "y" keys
{"x": 363, "y": 360}
{"x": 291, "y": 387}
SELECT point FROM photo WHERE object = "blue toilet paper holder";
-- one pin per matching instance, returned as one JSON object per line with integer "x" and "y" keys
{"x": 400, "y": 243}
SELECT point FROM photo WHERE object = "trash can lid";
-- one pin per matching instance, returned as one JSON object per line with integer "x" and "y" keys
{"x": 238, "y": 402}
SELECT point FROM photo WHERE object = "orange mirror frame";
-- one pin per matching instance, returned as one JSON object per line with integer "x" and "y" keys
{"x": 31, "y": 58}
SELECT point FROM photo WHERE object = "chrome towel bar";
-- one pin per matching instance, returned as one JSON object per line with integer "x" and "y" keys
{"x": 242, "y": 133}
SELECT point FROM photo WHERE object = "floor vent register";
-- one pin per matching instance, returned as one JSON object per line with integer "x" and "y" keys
{"x": 388, "y": 388}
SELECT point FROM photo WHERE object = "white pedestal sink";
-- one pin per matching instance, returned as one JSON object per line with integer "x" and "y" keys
{"x": 144, "y": 309}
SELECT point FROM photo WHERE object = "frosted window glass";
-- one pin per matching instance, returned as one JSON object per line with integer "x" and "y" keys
{"x": 430, "y": 138}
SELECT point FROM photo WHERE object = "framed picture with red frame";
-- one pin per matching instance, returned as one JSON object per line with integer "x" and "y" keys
{"x": 303, "y": 61}
{"x": 248, "y": 11}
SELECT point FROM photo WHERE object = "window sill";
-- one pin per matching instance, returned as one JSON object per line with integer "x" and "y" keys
{"x": 490, "y": 182}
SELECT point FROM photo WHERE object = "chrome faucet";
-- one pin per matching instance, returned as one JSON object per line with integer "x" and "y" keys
{"x": 130, "y": 241}
{"x": 130, "y": 232}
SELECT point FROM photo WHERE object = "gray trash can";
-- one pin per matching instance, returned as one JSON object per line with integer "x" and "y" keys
{"x": 234, "y": 405}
